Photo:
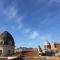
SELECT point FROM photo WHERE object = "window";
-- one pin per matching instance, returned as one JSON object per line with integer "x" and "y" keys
{"x": 0, "y": 52}
{"x": 9, "y": 52}
{"x": 5, "y": 42}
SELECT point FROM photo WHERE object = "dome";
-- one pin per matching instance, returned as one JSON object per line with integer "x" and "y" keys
{"x": 6, "y": 39}
{"x": 47, "y": 42}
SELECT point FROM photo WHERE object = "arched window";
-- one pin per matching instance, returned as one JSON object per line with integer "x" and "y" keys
{"x": 5, "y": 42}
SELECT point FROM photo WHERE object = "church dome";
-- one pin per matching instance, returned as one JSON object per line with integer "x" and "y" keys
{"x": 6, "y": 39}
{"x": 47, "y": 42}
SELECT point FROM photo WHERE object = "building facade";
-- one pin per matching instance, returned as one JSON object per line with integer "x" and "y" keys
{"x": 7, "y": 45}
{"x": 55, "y": 46}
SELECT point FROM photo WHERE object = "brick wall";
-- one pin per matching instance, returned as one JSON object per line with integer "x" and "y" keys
{"x": 27, "y": 53}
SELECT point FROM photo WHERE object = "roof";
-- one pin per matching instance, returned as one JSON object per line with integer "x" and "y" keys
{"x": 56, "y": 42}
{"x": 6, "y": 39}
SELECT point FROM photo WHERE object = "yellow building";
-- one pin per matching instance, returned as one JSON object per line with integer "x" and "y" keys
{"x": 55, "y": 46}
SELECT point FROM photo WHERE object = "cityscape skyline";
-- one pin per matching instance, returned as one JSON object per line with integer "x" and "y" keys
{"x": 31, "y": 22}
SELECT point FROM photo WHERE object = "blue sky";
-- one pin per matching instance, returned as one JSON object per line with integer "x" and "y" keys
{"x": 31, "y": 22}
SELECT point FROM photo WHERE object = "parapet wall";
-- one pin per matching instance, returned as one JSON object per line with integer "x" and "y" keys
{"x": 33, "y": 58}
{"x": 40, "y": 58}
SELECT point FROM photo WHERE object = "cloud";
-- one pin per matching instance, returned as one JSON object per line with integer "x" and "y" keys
{"x": 12, "y": 14}
{"x": 39, "y": 1}
{"x": 44, "y": 37}
{"x": 10, "y": 11}
{"x": 44, "y": 21}
{"x": 27, "y": 30}
{"x": 1, "y": 6}
{"x": 20, "y": 26}
{"x": 34, "y": 35}
{"x": 19, "y": 22}
{"x": 19, "y": 19}
{"x": 55, "y": 0}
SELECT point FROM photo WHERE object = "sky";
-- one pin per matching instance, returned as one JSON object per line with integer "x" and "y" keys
{"x": 31, "y": 22}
